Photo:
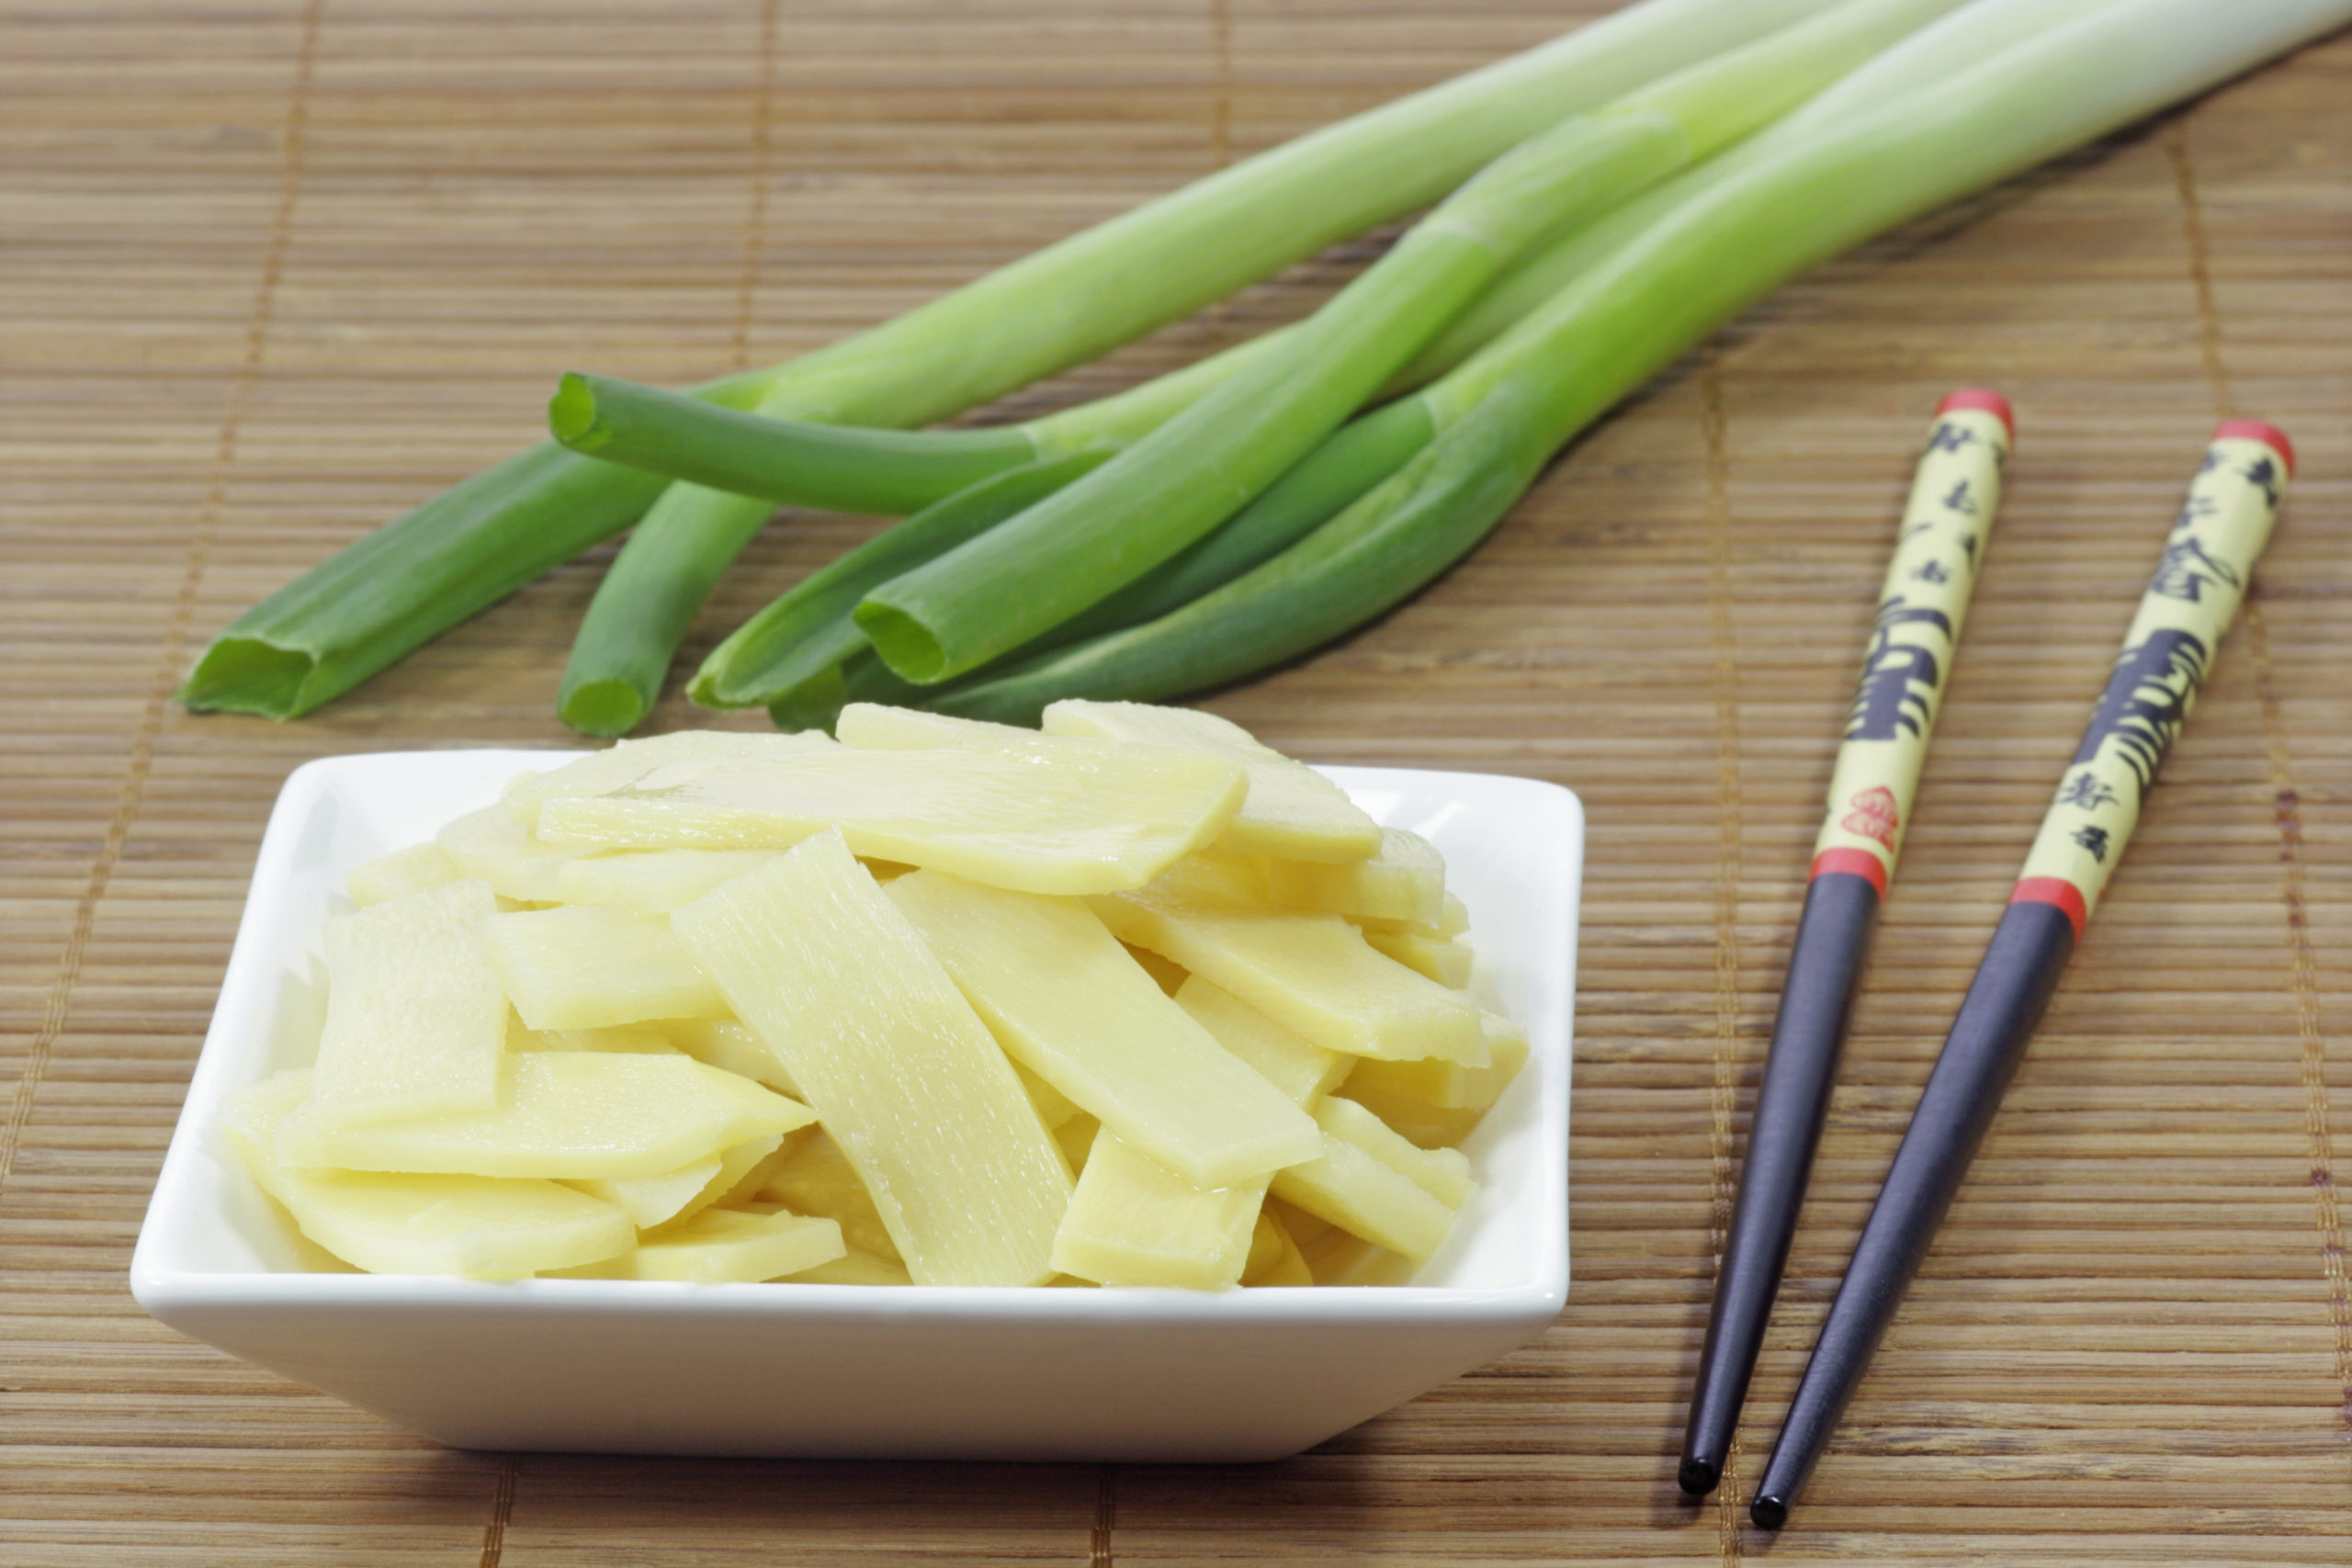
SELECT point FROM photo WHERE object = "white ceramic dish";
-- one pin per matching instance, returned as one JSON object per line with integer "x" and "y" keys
{"x": 842, "y": 1370}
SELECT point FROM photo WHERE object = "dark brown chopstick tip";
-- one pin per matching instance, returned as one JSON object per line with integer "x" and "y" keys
{"x": 1698, "y": 1477}
{"x": 1770, "y": 1512}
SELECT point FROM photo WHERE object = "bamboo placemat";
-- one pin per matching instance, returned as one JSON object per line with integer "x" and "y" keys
{"x": 280, "y": 268}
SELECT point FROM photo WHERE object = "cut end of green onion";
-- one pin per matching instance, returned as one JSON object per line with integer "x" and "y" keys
{"x": 607, "y": 708}
{"x": 572, "y": 413}
{"x": 814, "y": 704}
{"x": 904, "y": 643}
{"x": 240, "y": 675}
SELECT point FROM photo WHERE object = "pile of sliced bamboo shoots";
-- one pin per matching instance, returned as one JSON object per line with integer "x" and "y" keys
{"x": 1132, "y": 1000}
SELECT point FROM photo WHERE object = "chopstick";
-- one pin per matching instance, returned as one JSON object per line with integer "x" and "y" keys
{"x": 1921, "y": 607}
{"x": 2207, "y": 557}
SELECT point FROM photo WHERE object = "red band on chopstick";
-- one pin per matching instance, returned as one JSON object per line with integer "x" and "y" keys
{"x": 1989, "y": 401}
{"x": 2271, "y": 435}
{"x": 1854, "y": 863}
{"x": 2054, "y": 890}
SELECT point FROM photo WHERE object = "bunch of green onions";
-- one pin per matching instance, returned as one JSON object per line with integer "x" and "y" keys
{"x": 1613, "y": 197}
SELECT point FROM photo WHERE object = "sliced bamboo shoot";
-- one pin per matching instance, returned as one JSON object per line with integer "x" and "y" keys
{"x": 1066, "y": 1001}
{"x": 590, "y": 965}
{"x": 1367, "y": 1199}
{"x": 653, "y": 882}
{"x": 625, "y": 761}
{"x": 493, "y": 846}
{"x": 479, "y": 1227}
{"x": 1055, "y": 1109}
{"x": 1453, "y": 921}
{"x": 1292, "y": 811}
{"x": 811, "y": 954}
{"x": 417, "y": 1019}
{"x": 416, "y": 869}
{"x": 1447, "y": 1085}
{"x": 1274, "y": 1257}
{"x": 816, "y": 1177}
{"x": 624, "y": 1038}
{"x": 1312, "y": 973}
{"x": 1443, "y": 1174}
{"x": 1374, "y": 1184}
{"x": 1304, "y": 1073}
{"x": 1444, "y": 960}
{"x": 731, "y": 1045}
{"x": 564, "y": 1115}
{"x": 652, "y": 1200}
{"x": 1086, "y": 817}
{"x": 725, "y": 1247}
{"x": 1405, "y": 882}
{"x": 1077, "y": 1138}
{"x": 1135, "y": 1221}
{"x": 854, "y": 1268}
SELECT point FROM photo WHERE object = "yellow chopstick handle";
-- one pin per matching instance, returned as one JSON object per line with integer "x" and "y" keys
{"x": 1921, "y": 607}
{"x": 2208, "y": 559}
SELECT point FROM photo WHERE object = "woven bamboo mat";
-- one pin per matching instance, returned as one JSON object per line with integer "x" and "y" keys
{"x": 279, "y": 269}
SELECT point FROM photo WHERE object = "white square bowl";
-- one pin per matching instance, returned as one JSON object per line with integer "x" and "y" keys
{"x": 838, "y": 1370}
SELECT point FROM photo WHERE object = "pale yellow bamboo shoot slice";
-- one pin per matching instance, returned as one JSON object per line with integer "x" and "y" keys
{"x": 1055, "y": 1109}
{"x": 1292, "y": 811}
{"x": 417, "y": 1019}
{"x": 1077, "y": 1138}
{"x": 564, "y": 1115}
{"x": 1453, "y": 921}
{"x": 1304, "y": 1073}
{"x": 732, "y": 1045}
{"x": 1206, "y": 877}
{"x": 1066, "y": 1001}
{"x": 1405, "y": 882}
{"x": 481, "y": 1227}
{"x": 1135, "y": 1221}
{"x": 1274, "y": 1257}
{"x": 725, "y": 1247}
{"x": 1448, "y": 1086}
{"x": 1166, "y": 972}
{"x": 625, "y": 761}
{"x": 743, "y": 1171}
{"x": 1086, "y": 817}
{"x": 842, "y": 987}
{"x": 492, "y": 846}
{"x": 1444, "y": 960}
{"x": 653, "y": 882}
{"x": 652, "y": 1199}
{"x": 816, "y": 1177}
{"x": 1443, "y": 1174}
{"x": 419, "y": 868}
{"x": 854, "y": 1267}
{"x": 590, "y": 965}
{"x": 621, "y": 1037}
{"x": 1367, "y": 1198}
{"x": 1312, "y": 973}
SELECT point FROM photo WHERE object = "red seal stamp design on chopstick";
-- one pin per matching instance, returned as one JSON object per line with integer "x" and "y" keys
{"x": 1873, "y": 814}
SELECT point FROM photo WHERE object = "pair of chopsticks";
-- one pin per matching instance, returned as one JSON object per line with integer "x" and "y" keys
{"x": 2207, "y": 557}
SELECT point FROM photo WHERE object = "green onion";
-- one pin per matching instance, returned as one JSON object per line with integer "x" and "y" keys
{"x": 2031, "y": 90}
{"x": 1014, "y": 583}
{"x": 809, "y": 631}
{"x": 848, "y": 468}
{"x": 414, "y": 579}
{"x": 842, "y": 468}
{"x": 1101, "y": 288}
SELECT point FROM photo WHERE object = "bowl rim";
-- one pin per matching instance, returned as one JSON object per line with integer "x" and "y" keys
{"x": 254, "y": 975}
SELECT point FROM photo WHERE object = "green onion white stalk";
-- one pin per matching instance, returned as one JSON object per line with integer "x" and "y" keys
{"x": 1994, "y": 111}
